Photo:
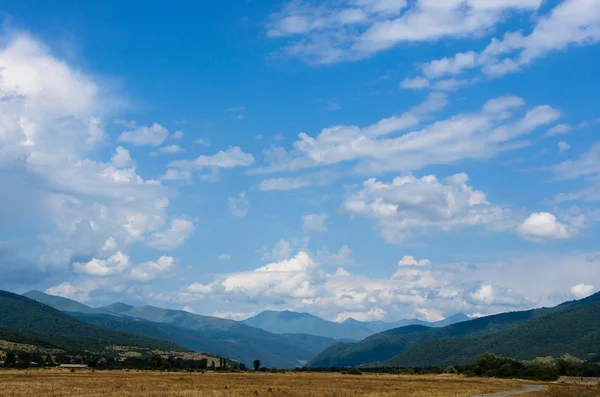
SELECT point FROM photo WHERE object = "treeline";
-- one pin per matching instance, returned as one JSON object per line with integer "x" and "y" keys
{"x": 490, "y": 365}
{"x": 23, "y": 359}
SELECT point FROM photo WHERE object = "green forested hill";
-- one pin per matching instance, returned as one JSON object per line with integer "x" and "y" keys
{"x": 282, "y": 351}
{"x": 207, "y": 334}
{"x": 383, "y": 346}
{"x": 24, "y": 320}
{"x": 574, "y": 331}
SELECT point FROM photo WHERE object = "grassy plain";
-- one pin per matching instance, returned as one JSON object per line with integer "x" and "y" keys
{"x": 85, "y": 383}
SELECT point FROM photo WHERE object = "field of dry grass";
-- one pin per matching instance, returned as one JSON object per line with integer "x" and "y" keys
{"x": 53, "y": 383}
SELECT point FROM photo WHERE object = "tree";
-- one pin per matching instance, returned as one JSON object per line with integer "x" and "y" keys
{"x": 11, "y": 359}
{"x": 256, "y": 364}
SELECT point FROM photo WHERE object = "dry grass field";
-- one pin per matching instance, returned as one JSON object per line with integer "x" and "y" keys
{"x": 54, "y": 383}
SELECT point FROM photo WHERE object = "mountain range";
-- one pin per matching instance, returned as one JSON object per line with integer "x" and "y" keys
{"x": 569, "y": 328}
{"x": 50, "y": 321}
{"x": 293, "y": 322}
{"x": 226, "y": 338}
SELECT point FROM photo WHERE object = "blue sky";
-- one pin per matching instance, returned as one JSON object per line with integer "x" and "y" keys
{"x": 376, "y": 159}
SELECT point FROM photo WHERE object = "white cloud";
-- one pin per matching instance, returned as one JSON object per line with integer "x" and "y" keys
{"x": 410, "y": 206}
{"x": 240, "y": 205}
{"x": 202, "y": 141}
{"x": 375, "y": 314}
{"x": 542, "y": 227}
{"x": 411, "y": 261}
{"x": 231, "y": 158}
{"x": 224, "y": 257}
{"x": 176, "y": 175}
{"x": 563, "y": 146}
{"x": 581, "y": 291}
{"x": 418, "y": 83}
{"x": 314, "y": 222}
{"x": 177, "y": 135}
{"x": 587, "y": 164}
{"x": 569, "y": 23}
{"x": 281, "y": 250}
{"x": 299, "y": 283}
{"x": 153, "y": 135}
{"x": 559, "y": 130}
{"x": 174, "y": 236}
{"x": 149, "y": 271}
{"x": 331, "y": 32}
{"x": 394, "y": 144}
{"x": 52, "y": 123}
{"x": 115, "y": 264}
{"x": 121, "y": 157}
{"x": 341, "y": 258}
{"x": 171, "y": 149}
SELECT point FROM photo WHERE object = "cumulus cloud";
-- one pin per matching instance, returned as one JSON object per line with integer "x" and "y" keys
{"x": 240, "y": 205}
{"x": 410, "y": 206}
{"x": 281, "y": 250}
{"x": 52, "y": 122}
{"x": 149, "y": 271}
{"x": 121, "y": 157}
{"x": 341, "y": 258}
{"x": 152, "y": 135}
{"x": 581, "y": 291}
{"x": 224, "y": 257}
{"x": 315, "y": 222}
{"x": 543, "y": 226}
{"x": 115, "y": 264}
{"x": 417, "y": 288}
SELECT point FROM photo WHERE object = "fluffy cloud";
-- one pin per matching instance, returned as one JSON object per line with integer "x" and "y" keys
{"x": 417, "y": 288}
{"x": 341, "y": 258}
{"x": 314, "y": 222}
{"x": 542, "y": 227}
{"x": 394, "y": 144}
{"x": 240, "y": 205}
{"x": 149, "y": 271}
{"x": 121, "y": 158}
{"x": 580, "y": 291}
{"x": 569, "y": 23}
{"x": 115, "y": 264}
{"x": 52, "y": 121}
{"x": 331, "y": 31}
{"x": 409, "y": 206}
{"x": 152, "y": 135}
{"x": 224, "y": 257}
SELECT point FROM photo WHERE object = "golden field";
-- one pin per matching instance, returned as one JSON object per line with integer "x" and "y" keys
{"x": 53, "y": 383}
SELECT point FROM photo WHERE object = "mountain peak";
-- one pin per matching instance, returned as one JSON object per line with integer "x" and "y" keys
{"x": 118, "y": 307}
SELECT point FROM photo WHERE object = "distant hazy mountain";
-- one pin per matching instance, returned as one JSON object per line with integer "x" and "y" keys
{"x": 351, "y": 329}
{"x": 60, "y": 303}
{"x": 305, "y": 323}
{"x": 203, "y": 334}
{"x": 417, "y": 345}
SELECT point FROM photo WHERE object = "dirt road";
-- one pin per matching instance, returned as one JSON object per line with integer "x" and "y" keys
{"x": 525, "y": 390}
